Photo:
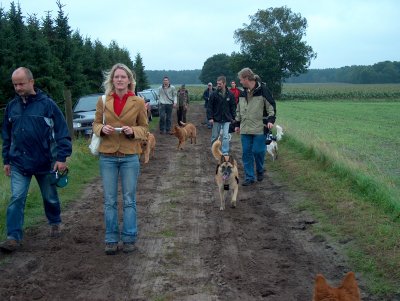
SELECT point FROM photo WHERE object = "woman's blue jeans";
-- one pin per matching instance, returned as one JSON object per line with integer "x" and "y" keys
{"x": 253, "y": 148}
{"x": 127, "y": 169}
{"x": 19, "y": 191}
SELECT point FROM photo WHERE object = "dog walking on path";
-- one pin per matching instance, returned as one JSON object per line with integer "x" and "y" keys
{"x": 226, "y": 175}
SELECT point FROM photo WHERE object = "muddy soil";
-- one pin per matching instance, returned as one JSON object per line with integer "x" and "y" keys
{"x": 187, "y": 248}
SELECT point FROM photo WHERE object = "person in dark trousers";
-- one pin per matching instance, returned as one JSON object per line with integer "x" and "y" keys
{"x": 183, "y": 104}
{"x": 206, "y": 96}
{"x": 221, "y": 112}
{"x": 168, "y": 100}
{"x": 36, "y": 142}
{"x": 250, "y": 122}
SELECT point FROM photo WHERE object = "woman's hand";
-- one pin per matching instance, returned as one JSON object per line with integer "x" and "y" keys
{"x": 127, "y": 130}
{"x": 107, "y": 129}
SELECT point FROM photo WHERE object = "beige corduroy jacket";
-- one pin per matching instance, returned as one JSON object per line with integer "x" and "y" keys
{"x": 134, "y": 114}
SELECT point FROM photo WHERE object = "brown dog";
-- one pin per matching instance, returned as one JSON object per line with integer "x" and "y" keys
{"x": 347, "y": 291}
{"x": 148, "y": 147}
{"x": 226, "y": 175}
{"x": 183, "y": 133}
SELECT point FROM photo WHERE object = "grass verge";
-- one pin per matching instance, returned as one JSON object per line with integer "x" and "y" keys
{"x": 83, "y": 168}
{"x": 351, "y": 210}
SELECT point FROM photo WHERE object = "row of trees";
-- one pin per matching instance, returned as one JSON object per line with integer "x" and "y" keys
{"x": 58, "y": 57}
{"x": 379, "y": 73}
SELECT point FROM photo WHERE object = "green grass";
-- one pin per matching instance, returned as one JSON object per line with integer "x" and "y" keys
{"x": 362, "y": 141}
{"x": 83, "y": 168}
{"x": 341, "y": 91}
{"x": 344, "y": 156}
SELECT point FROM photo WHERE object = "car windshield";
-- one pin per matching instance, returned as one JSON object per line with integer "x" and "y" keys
{"x": 148, "y": 95}
{"x": 86, "y": 103}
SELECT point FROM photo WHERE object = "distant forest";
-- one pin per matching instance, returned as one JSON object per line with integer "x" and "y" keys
{"x": 379, "y": 73}
{"x": 176, "y": 77}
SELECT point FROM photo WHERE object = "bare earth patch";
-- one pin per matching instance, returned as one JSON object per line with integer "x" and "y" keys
{"x": 187, "y": 248}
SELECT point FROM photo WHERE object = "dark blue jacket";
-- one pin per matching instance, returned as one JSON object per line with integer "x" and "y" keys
{"x": 35, "y": 134}
{"x": 221, "y": 108}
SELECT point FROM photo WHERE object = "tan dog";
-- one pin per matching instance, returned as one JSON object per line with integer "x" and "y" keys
{"x": 226, "y": 175}
{"x": 347, "y": 291}
{"x": 148, "y": 147}
{"x": 183, "y": 133}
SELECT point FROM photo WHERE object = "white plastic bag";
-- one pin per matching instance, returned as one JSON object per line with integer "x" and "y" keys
{"x": 96, "y": 140}
{"x": 95, "y": 144}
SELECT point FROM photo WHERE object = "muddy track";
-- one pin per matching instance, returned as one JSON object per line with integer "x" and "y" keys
{"x": 187, "y": 248}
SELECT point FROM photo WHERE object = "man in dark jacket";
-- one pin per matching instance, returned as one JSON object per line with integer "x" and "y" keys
{"x": 221, "y": 112}
{"x": 206, "y": 96}
{"x": 36, "y": 142}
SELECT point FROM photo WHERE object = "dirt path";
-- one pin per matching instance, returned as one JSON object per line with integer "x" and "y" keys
{"x": 187, "y": 248}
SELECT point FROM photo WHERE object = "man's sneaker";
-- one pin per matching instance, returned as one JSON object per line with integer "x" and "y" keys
{"x": 111, "y": 248}
{"x": 55, "y": 230}
{"x": 260, "y": 177}
{"x": 247, "y": 183}
{"x": 10, "y": 245}
{"x": 129, "y": 247}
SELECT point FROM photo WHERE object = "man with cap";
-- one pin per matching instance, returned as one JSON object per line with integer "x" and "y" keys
{"x": 183, "y": 102}
{"x": 206, "y": 96}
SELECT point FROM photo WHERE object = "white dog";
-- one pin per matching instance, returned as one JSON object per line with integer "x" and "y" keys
{"x": 272, "y": 148}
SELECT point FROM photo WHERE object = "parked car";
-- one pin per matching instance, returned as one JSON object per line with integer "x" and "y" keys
{"x": 151, "y": 96}
{"x": 83, "y": 114}
{"x": 84, "y": 111}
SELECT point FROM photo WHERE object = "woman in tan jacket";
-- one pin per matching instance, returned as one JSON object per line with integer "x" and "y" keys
{"x": 125, "y": 125}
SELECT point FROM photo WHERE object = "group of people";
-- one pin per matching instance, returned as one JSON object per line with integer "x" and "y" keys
{"x": 36, "y": 142}
{"x": 251, "y": 112}
{"x": 170, "y": 99}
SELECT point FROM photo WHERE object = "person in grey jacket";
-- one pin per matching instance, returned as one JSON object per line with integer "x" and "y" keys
{"x": 250, "y": 122}
{"x": 36, "y": 142}
{"x": 168, "y": 99}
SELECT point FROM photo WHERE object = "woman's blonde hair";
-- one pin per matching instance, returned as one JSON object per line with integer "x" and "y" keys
{"x": 108, "y": 78}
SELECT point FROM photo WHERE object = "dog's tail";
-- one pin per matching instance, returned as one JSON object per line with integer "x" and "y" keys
{"x": 216, "y": 149}
{"x": 279, "y": 132}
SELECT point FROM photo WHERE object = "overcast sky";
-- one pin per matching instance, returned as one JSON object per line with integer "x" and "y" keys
{"x": 182, "y": 34}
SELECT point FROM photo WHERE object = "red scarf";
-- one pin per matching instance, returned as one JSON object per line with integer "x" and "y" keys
{"x": 120, "y": 103}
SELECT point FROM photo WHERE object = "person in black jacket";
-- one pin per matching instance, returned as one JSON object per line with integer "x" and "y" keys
{"x": 206, "y": 96}
{"x": 36, "y": 142}
{"x": 221, "y": 111}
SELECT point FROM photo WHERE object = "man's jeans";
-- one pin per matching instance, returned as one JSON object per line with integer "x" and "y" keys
{"x": 253, "y": 148}
{"x": 19, "y": 191}
{"x": 127, "y": 168}
{"x": 216, "y": 129}
{"x": 165, "y": 117}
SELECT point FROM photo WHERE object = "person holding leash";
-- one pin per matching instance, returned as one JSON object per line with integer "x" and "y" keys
{"x": 36, "y": 142}
{"x": 168, "y": 101}
{"x": 250, "y": 120}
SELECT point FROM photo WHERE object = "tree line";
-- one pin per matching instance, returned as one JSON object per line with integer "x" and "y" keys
{"x": 386, "y": 72}
{"x": 59, "y": 58}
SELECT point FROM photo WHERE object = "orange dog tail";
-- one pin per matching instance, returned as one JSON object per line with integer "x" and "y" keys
{"x": 216, "y": 149}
